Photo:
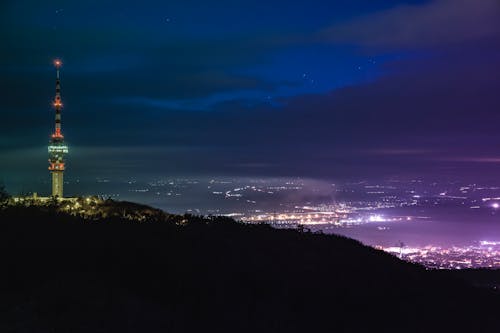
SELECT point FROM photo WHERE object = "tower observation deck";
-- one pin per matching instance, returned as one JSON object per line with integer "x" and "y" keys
{"x": 57, "y": 147}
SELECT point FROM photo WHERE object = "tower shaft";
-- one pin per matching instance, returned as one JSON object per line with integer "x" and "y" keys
{"x": 57, "y": 183}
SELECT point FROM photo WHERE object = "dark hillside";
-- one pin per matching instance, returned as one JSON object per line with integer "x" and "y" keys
{"x": 62, "y": 273}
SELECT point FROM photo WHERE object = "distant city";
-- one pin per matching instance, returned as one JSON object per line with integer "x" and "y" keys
{"x": 437, "y": 224}
{"x": 486, "y": 254}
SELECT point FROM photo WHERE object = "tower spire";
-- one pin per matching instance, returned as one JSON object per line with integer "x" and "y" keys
{"x": 57, "y": 147}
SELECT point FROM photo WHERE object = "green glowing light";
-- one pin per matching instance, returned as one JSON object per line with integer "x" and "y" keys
{"x": 58, "y": 149}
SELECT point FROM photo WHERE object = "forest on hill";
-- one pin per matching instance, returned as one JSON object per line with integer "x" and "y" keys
{"x": 172, "y": 273}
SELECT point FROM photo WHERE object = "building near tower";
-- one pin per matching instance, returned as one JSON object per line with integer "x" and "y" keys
{"x": 57, "y": 147}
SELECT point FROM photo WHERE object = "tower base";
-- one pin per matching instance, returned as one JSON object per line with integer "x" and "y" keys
{"x": 57, "y": 184}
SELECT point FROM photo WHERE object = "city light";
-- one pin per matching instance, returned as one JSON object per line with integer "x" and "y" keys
{"x": 376, "y": 218}
{"x": 484, "y": 255}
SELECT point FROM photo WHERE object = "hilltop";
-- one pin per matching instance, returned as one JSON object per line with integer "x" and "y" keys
{"x": 67, "y": 272}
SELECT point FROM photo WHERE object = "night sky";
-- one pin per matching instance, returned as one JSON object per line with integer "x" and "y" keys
{"x": 326, "y": 89}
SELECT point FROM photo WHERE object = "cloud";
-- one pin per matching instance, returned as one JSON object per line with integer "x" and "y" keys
{"x": 117, "y": 64}
{"x": 472, "y": 159}
{"x": 123, "y": 88}
{"x": 400, "y": 151}
{"x": 431, "y": 24}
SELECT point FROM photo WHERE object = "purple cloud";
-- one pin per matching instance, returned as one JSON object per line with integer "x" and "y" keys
{"x": 432, "y": 24}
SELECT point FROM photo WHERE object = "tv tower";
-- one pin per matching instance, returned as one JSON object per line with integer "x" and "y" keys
{"x": 57, "y": 147}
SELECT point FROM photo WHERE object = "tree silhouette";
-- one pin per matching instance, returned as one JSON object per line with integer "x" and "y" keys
{"x": 4, "y": 195}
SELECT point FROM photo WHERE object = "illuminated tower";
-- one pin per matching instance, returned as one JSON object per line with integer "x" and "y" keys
{"x": 57, "y": 147}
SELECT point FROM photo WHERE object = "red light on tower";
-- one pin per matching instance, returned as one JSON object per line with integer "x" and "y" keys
{"x": 57, "y": 63}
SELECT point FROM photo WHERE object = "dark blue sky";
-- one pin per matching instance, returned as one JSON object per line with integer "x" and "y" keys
{"x": 329, "y": 89}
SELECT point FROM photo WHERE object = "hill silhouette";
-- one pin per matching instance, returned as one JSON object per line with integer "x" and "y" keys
{"x": 171, "y": 273}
